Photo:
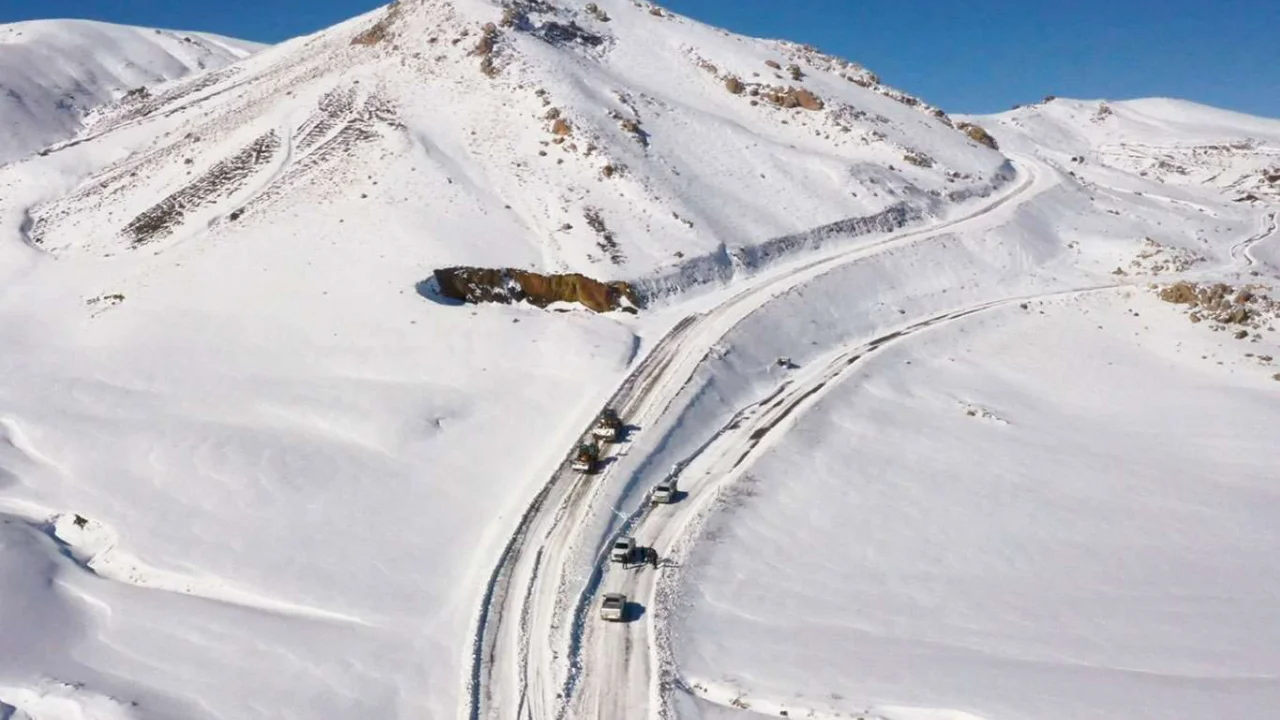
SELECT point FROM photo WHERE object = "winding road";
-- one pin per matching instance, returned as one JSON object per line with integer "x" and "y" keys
{"x": 538, "y": 650}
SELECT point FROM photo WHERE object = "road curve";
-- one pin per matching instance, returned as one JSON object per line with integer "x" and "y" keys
{"x": 537, "y": 650}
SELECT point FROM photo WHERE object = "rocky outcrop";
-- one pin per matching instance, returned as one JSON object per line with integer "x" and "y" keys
{"x": 508, "y": 285}
{"x": 1220, "y": 303}
{"x": 793, "y": 97}
{"x": 978, "y": 135}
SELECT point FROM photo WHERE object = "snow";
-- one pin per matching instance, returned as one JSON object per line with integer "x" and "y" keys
{"x": 250, "y": 468}
{"x": 413, "y": 117}
{"x": 1094, "y": 544}
{"x": 56, "y": 72}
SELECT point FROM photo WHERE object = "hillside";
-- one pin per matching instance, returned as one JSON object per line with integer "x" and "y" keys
{"x": 968, "y": 424}
{"x": 618, "y": 143}
{"x": 57, "y": 72}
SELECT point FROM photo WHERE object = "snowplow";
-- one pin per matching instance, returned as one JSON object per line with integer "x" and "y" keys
{"x": 608, "y": 427}
{"x": 586, "y": 459}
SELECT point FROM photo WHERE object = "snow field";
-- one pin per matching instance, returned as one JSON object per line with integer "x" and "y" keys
{"x": 248, "y": 440}
{"x": 296, "y": 474}
{"x": 1077, "y": 530}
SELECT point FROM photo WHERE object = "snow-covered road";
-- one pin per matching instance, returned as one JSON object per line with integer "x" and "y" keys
{"x": 538, "y": 649}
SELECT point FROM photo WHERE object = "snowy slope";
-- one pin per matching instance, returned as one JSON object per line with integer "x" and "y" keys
{"x": 251, "y": 468}
{"x": 1174, "y": 142}
{"x": 56, "y": 72}
{"x": 1073, "y": 527}
{"x": 556, "y": 141}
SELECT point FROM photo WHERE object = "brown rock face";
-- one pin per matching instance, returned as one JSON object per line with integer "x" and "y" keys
{"x": 508, "y": 285}
{"x": 561, "y": 127}
{"x": 733, "y": 85}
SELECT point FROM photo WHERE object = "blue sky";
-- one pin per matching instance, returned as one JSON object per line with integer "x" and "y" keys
{"x": 965, "y": 55}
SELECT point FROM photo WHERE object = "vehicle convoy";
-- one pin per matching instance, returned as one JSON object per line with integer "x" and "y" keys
{"x": 586, "y": 459}
{"x": 623, "y": 550}
{"x": 614, "y": 607}
{"x": 608, "y": 427}
{"x": 664, "y": 492}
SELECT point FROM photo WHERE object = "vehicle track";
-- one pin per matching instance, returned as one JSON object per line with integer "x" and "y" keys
{"x": 536, "y": 669}
{"x": 715, "y": 467}
{"x": 1241, "y": 251}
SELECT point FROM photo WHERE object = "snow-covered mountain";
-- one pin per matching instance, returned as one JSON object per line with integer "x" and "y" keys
{"x": 54, "y": 73}
{"x": 970, "y": 417}
{"x": 619, "y": 143}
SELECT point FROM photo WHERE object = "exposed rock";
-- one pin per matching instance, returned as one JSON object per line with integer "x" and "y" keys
{"x": 1235, "y": 316}
{"x": 567, "y": 34}
{"x": 596, "y": 12}
{"x": 1224, "y": 305}
{"x": 773, "y": 64}
{"x": 509, "y": 285}
{"x": 918, "y": 159}
{"x": 794, "y": 97}
{"x": 488, "y": 41}
{"x": 1181, "y": 293}
{"x": 561, "y": 127}
{"x": 733, "y": 85}
{"x": 380, "y": 30}
{"x": 808, "y": 100}
{"x": 978, "y": 135}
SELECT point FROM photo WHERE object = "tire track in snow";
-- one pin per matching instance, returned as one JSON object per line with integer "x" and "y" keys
{"x": 1243, "y": 249}
{"x": 489, "y": 620}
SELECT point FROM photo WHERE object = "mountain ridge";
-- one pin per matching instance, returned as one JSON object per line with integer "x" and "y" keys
{"x": 57, "y": 72}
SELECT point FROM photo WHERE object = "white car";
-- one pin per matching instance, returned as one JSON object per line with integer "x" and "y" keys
{"x": 664, "y": 492}
{"x": 614, "y": 607}
{"x": 624, "y": 548}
